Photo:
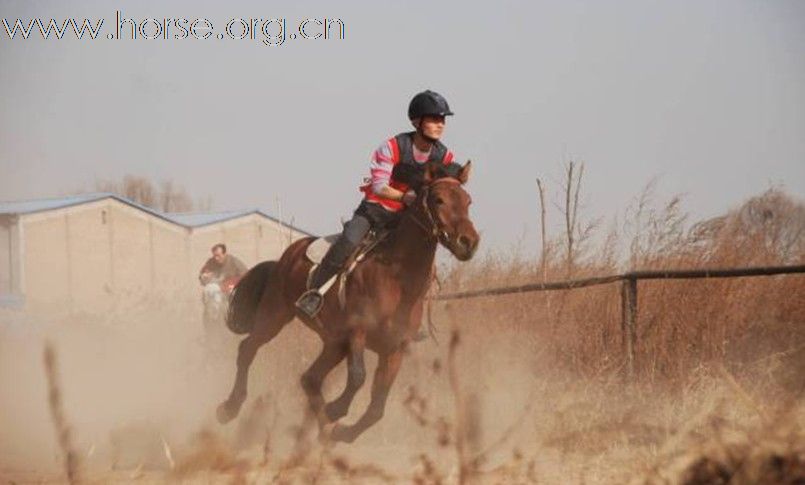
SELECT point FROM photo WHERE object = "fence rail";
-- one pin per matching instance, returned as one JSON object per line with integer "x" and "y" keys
{"x": 628, "y": 292}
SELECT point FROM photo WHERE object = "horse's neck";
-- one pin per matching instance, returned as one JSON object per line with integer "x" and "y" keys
{"x": 413, "y": 248}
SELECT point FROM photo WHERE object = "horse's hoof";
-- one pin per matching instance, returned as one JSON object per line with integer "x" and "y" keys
{"x": 224, "y": 413}
{"x": 341, "y": 433}
{"x": 333, "y": 411}
{"x": 326, "y": 433}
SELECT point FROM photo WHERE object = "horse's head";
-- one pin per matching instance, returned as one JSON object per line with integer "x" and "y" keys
{"x": 446, "y": 205}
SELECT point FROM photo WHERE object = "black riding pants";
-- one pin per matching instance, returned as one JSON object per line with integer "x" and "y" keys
{"x": 367, "y": 216}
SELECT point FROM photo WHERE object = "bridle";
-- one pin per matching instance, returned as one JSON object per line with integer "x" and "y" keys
{"x": 432, "y": 227}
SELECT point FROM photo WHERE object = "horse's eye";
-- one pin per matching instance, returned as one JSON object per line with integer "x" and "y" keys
{"x": 438, "y": 201}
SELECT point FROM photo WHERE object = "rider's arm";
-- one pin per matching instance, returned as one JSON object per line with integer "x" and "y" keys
{"x": 202, "y": 274}
{"x": 388, "y": 192}
{"x": 406, "y": 198}
{"x": 381, "y": 167}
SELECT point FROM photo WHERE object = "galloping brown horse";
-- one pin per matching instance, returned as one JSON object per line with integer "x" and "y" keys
{"x": 384, "y": 303}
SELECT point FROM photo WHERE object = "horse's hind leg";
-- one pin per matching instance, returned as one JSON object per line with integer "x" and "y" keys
{"x": 268, "y": 325}
{"x": 387, "y": 368}
{"x": 356, "y": 375}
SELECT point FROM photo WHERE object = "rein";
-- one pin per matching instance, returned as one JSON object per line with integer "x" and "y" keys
{"x": 432, "y": 226}
{"x": 432, "y": 229}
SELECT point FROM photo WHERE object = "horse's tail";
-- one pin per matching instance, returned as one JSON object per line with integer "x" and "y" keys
{"x": 246, "y": 296}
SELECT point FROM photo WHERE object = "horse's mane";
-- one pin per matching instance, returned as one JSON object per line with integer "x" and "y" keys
{"x": 414, "y": 176}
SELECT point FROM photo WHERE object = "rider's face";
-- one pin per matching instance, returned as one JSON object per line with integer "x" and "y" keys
{"x": 432, "y": 126}
{"x": 218, "y": 255}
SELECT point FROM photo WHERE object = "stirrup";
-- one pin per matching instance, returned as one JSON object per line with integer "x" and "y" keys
{"x": 310, "y": 303}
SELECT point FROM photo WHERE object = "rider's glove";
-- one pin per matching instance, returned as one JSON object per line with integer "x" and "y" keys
{"x": 409, "y": 197}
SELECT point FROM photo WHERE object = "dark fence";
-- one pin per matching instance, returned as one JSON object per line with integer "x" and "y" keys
{"x": 628, "y": 292}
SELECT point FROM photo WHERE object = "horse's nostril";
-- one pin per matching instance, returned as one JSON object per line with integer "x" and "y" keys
{"x": 465, "y": 242}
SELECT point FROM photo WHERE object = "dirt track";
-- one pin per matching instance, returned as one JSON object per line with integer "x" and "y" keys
{"x": 141, "y": 409}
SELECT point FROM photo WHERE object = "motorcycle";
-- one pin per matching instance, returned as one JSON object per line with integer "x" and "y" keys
{"x": 215, "y": 299}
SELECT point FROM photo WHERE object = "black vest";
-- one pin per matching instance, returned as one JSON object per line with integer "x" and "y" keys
{"x": 407, "y": 170}
{"x": 405, "y": 144}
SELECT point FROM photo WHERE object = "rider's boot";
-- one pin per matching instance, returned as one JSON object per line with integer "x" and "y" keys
{"x": 311, "y": 301}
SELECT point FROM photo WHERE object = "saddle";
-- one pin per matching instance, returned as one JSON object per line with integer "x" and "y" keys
{"x": 319, "y": 247}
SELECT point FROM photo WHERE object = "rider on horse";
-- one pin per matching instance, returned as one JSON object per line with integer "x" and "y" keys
{"x": 397, "y": 163}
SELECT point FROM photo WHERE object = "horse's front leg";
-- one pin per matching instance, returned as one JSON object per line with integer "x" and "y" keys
{"x": 356, "y": 375}
{"x": 387, "y": 368}
{"x": 313, "y": 378}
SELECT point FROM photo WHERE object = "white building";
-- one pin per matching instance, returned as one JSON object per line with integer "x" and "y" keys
{"x": 87, "y": 252}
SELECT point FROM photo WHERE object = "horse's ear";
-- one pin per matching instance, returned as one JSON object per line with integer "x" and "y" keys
{"x": 464, "y": 174}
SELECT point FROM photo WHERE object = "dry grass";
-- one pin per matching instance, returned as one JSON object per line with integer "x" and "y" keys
{"x": 682, "y": 325}
{"x": 60, "y": 423}
{"x": 728, "y": 351}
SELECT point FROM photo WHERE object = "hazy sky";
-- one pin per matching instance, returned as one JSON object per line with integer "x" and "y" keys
{"x": 708, "y": 95}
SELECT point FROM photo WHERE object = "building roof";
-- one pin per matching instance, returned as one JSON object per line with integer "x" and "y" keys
{"x": 39, "y": 205}
{"x": 187, "y": 220}
{"x": 201, "y": 219}
{"x": 42, "y": 205}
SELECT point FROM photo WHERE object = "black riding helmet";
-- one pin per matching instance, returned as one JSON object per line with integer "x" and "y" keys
{"x": 428, "y": 103}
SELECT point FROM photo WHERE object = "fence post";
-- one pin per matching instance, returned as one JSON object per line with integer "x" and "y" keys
{"x": 628, "y": 319}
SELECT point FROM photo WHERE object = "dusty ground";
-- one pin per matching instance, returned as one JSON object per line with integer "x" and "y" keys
{"x": 139, "y": 394}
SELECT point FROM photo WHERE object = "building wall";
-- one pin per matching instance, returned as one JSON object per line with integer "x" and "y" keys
{"x": 17, "y": 253}
{"x": 47, "y": 272}
{"x": 96, "y": 256}
{"x": 274, "y": 239}
{"x": 171, "y": 258}
{"x": 89, "y": 258}
{"x": 131, "y": 251}
{"x": 100, "y": 255}
{"x": 5, "y": 256}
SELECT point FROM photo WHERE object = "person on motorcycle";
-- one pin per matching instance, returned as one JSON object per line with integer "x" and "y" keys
{"x": 220, "y": 274}
{"x": 386, "y": 194}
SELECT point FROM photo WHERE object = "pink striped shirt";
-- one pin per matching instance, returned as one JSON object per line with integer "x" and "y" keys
{"x": 381, "y": 165}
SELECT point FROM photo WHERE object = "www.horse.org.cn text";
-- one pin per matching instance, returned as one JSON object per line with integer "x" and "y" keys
{"x": 271, "y": 32}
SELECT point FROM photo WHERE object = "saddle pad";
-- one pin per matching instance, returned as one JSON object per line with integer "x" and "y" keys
{"x": 318, "y": 248}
